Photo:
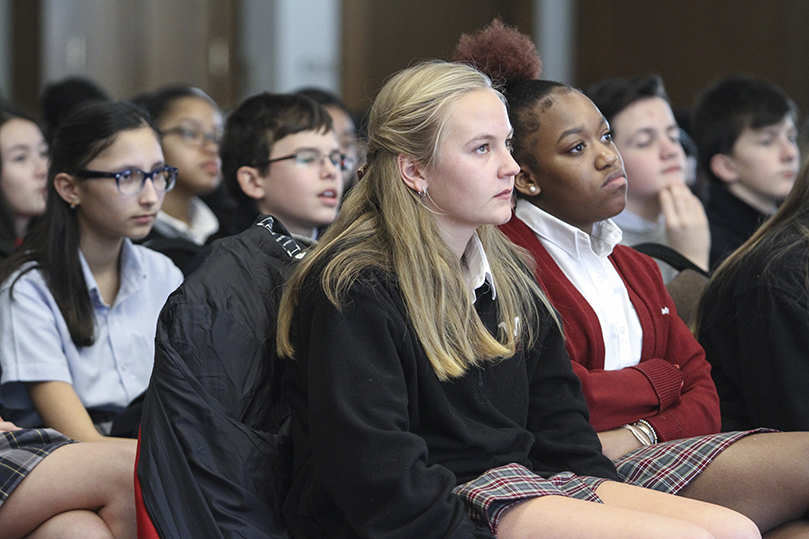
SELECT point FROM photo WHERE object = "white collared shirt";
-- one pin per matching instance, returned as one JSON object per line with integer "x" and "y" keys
{"x": 35, "y": 343}
{"x": 583, "y": 259}
{"x": 477, "y": 270}
{"x": 203, "y": 223}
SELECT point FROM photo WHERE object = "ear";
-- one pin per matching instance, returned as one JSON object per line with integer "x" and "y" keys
{"x": 68, "y": 188}
{"x": 412, "y": 173}
{"x": 724, "y": 167}
{"x": 251, "y": 182}
{"x": 526, "y": 183}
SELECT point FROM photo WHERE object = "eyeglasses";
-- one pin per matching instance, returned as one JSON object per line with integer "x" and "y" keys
{"x": 310, "y": 157}
{"x": 193, "y": 138}
{"x": 132, "y": 180}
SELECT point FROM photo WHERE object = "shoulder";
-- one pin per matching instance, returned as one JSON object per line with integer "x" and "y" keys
{"x": 154, "y": 264}
{"x": 27, "y": 280}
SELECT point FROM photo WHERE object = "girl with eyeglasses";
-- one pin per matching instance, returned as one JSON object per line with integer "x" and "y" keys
{"x": 190, "y": 124}
{"x": 79, "y": 302}
{"x": 23, "y": 169}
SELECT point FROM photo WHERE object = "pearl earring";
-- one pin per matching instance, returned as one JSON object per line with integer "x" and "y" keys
{"x": 533, "y": 188}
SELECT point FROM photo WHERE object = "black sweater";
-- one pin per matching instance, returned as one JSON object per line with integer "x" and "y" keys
{"x": 755, "y": 331}
{"x": 380, "y": 442}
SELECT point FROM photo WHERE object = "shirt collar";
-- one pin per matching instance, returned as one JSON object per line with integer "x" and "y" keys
{"x": 477, "y": 271}
{"x": 132, "y": 275}
{"x": 203, "y": 223}
{"x": 632, "y": 221}
{"x": 603, "y": 238}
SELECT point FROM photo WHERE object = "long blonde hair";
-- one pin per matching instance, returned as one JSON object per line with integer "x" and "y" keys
{"x": 384, "y": 225}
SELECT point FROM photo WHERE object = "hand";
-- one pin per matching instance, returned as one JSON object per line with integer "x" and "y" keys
{"x": 6, "y": 426}
{"x": 617, "y": 442}
{"x": 686, "y": 223}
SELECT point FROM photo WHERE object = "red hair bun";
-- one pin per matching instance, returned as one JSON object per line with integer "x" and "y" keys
{"x": 503, "y": 53}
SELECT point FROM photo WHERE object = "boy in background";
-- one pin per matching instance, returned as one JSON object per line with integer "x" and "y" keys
{"x": 745, "y": 131}
{"x": 213, "y": 457}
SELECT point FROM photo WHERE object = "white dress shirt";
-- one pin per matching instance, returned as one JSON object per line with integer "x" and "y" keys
{"x": 583, "y": 259}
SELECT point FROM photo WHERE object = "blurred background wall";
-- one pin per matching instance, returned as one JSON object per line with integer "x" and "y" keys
{"x": 235, "y": 48}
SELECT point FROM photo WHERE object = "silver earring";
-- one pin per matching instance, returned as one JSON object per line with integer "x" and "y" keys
{"x": 533, "y": 188}
{"x": 423, "y": 193}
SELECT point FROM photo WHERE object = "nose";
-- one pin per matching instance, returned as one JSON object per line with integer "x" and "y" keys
{"x": 789, "y": 150}
{"x": 607, "y": 157}
{"x": 42, "y": 167}
{"x": 510, "y": 167}
{"x": 210, "y": 145}
{"x": 669, "y": 148}
{"x": 148, "y": 196}
{"x": 327, "y": 168}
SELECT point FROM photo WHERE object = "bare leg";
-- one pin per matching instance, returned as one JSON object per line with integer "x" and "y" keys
{"x": 628, "y": 512}
{"x": 81, "y": 524}
{"x": 796, "y": 529}
{"x": 97, "y": 477}
{"x": 763, "y": 476}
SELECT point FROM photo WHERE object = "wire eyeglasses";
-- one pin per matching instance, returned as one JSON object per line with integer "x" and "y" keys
{"x": 309, "y": 157}
{"x": 193, "y": 138}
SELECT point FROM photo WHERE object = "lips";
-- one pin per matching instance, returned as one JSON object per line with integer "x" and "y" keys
{"x": 329, "y": 196}
{"x": 145, "y": 218}
{"x": 614, "y": 176}
{"x": 211, "y": 167}
{"x": 505, "y": 193}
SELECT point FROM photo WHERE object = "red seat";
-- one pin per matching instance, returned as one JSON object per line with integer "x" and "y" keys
{"x": 146, "y": 529}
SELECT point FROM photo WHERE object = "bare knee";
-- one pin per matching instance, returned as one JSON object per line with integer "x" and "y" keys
{"x": 737, "y": 526}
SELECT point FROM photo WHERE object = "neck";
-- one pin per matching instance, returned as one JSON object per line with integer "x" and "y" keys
{"x": 177, "y": 203}
{"x": 21, "y": 225}
{"x": 103, "y": 257}
{"x": 457, "y": 242}
{"x": 765, "y": 205}
{"x": 648, "y": 208}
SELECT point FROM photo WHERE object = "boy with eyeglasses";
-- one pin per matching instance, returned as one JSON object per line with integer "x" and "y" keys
{"x": 281, "y": 157}
{"x": 214, "y": 435}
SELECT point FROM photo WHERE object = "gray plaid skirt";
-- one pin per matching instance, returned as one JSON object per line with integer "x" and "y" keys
{"x": 667, "y": 467}
{"x": 20, "y": 451}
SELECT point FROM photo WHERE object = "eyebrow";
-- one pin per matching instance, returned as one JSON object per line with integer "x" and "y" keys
{"x": 577, "y": 130}
{"x": 488, "y": 136}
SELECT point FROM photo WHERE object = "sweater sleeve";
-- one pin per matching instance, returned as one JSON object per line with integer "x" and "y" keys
{"x": 626, "y": 395}
{"x": 356, "y": 362}
{"x": 697, "y": 411}
{"x": 558, "y": 415}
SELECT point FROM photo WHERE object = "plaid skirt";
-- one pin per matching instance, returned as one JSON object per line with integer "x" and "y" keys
{"x": 20, "y": 451}
{"x": 667, "y": 467}
{"x": 670, "y": 466}
{"x": 495, "y": 491}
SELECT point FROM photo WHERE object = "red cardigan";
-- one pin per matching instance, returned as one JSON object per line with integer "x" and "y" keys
{"x": 671, "y": 388}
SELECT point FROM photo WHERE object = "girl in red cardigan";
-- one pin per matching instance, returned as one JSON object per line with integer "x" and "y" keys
{"x": 644, "y": 376}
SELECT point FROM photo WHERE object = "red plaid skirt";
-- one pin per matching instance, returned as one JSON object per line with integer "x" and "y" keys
{"x": 667, "y": 467}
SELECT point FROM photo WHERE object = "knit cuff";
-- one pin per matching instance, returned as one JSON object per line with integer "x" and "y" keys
{"x": 666, "y": 380}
